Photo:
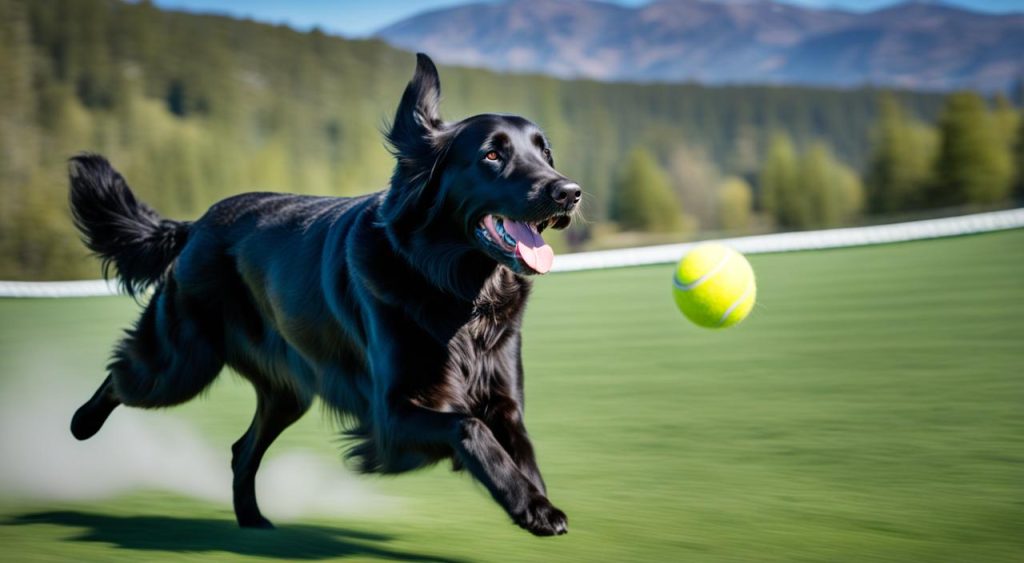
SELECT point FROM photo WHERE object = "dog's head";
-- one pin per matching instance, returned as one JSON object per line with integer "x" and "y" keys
{"x": 488, "y": 181}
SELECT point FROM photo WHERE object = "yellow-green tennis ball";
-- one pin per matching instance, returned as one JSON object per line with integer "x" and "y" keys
{"x": 714, "y": 286}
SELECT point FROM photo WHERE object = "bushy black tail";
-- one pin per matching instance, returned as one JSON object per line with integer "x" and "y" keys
{"x": 124, "y": 232}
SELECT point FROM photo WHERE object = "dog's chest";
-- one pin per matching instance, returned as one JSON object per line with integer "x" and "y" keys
{"x": 497, "y": 311}
{"x": 483, "y": 361}
{"x": 484, "y": 355}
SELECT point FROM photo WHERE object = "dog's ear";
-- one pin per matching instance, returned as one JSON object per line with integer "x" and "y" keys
{"x": 417, "y": 139}
{"x": 417, "y": 120}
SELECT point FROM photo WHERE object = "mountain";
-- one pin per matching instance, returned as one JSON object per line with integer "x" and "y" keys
{"x": 921, "y": 45}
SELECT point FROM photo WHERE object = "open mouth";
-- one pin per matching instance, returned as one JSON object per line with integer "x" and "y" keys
{"x": 519, "y": 241}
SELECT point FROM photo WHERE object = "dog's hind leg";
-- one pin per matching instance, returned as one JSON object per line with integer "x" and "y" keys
{"x": 89, "y": 418}
{"x": 172, "y": 353}
{"x": 175, "y": 350}
{"x": 276, "y": 409}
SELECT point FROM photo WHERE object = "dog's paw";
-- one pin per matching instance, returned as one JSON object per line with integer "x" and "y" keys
{"x": 89, "y": 418}
{"x": 255, "y": 522}
{"x": 543, "y": 519}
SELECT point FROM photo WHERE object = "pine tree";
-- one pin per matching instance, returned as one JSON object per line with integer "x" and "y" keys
{"x": 1005, "y": 118}
{"x": 780, "y": 197}
{"x": 809, "y": 190}
{"x": 1010, "y": 123}
{"x": 833, "y": 191}
{"x": 973, "y": 166}
{"x": 17, "y": 132}
{"x": 19, "y": 147}
{"x": 735, "y": 201}
{"x": 643, "y": 199}
{"x": 814, "y": 182}
{"x": 1018, "y": 158}
{"x": 849, "y": 195}
{"x": 694, "y": 178}
{"x": 902, "y": 156}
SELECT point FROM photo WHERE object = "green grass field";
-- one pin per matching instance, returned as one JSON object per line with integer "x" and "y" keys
{"x": 872, "y": 408}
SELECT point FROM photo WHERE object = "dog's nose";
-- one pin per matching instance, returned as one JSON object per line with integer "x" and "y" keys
{"x": 566, "y": 194}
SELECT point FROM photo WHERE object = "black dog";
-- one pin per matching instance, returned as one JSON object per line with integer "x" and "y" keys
{"x": 401, "y": 309}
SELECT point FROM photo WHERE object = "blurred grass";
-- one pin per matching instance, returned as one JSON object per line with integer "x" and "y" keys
{"x": 872, "y": 408}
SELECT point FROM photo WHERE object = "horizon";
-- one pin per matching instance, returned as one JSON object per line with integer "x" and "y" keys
{"x": 360, "y": 19}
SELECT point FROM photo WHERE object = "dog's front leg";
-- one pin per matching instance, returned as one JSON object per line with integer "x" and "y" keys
{"x": 506, "y": 423}
{"x": 517, "y": 443}
{"x": 485, "y": 458}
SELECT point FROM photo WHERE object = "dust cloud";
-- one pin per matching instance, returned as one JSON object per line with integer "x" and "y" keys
{"x": 146, "y": 450}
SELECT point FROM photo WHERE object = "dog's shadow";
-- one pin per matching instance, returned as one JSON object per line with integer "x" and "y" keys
{"x": 163, "y": 533}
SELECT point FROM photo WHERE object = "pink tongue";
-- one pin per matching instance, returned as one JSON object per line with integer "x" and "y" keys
{"x": 530, "y": 246}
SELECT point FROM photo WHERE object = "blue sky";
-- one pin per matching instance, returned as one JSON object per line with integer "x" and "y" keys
{"x": 362, "y": 17}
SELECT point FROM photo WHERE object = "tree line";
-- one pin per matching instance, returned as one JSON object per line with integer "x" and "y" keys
{"x": 971, "y": 158}
{"x": 193, "y": 108}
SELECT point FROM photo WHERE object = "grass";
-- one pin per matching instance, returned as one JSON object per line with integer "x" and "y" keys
{"x": 872, "y": 408}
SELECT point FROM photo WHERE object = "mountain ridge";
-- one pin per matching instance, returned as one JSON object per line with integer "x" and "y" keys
{"x": 907, "y": 45}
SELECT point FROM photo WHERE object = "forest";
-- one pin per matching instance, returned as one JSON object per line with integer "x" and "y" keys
{"x": 193, "y": 108}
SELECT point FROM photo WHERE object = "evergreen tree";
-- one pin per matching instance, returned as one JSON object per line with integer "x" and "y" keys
{"x": 1018, "y": 158}
{"x": 902, "y": 156}
{"x": 973, "y": 165}
{"x": 18, "y": 135}
{"x": 1010, "y": 123}
{"x": 780, "y": 197}
{"x": 849, "y": 195}
{"x": 1005, "y": 118}
{"x": 19, "y": 148}
{"x": 834, "y": 193}
{"x": 643, "y": 199}
{"x": 814, "y": 184}
{"x": 735, "y": 204}
{"x": 694, "y": 177}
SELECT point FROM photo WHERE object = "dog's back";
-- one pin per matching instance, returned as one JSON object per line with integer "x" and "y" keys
{"x": 281, "y": 262}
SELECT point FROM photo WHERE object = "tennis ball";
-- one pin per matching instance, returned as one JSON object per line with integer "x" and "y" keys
{"x": 714, "y": 286}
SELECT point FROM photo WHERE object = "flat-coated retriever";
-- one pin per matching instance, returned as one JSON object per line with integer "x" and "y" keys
{"x": 400, "y": 309}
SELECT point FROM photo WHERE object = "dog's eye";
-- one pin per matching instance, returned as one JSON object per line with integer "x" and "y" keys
{"x": 547, "y": 153}
{"x": 493, "y": 155}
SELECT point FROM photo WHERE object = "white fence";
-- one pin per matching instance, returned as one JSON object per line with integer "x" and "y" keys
{"x": 803, "y": 240}
{"x": 662, "y": 254}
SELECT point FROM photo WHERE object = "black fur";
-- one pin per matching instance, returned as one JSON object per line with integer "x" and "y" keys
{"x": 124, "y": 232}
{"x": 395, "y": 308}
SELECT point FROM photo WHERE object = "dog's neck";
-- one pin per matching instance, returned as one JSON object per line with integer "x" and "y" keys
{"x": 446, "y": 261}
